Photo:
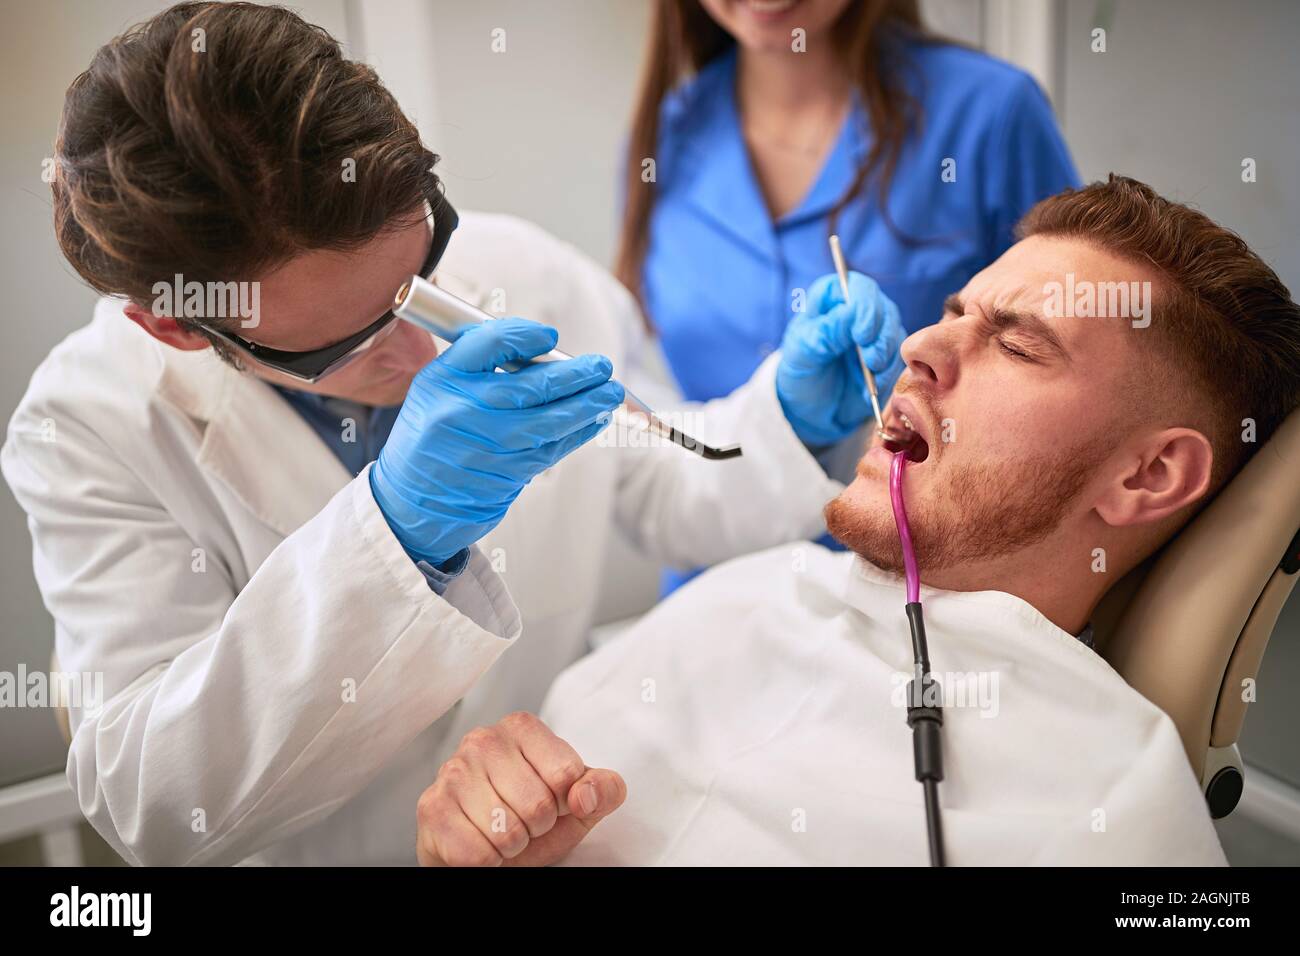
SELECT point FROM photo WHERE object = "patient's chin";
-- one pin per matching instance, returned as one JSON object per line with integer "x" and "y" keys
{"x": 862, "y": 519}
{"x": 971, "y": 516}
{"x": 858, "y": 522}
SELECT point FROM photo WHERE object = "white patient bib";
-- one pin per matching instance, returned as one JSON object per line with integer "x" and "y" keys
{"x": 758, "y": 717}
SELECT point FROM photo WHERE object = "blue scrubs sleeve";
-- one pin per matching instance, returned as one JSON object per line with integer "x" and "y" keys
{"x": 1030, "y": 162}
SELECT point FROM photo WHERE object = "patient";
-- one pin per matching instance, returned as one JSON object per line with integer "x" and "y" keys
{"x": 757, "y": 716}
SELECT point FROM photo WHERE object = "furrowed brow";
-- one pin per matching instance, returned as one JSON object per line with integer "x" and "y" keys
{"x": 1032, "y": 325}
{"x": 1003, "y": 319}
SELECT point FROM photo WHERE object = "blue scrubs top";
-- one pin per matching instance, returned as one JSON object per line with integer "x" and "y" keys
{"x": 720, "y": 274}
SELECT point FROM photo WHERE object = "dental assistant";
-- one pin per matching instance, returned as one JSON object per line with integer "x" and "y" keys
{"x": 919, "y": 153}
{"x": 306, "y": 572}
{"x": 772, "y": 125}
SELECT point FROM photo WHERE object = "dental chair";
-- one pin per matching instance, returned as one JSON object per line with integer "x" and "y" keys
{"x": 1188, "y": 627}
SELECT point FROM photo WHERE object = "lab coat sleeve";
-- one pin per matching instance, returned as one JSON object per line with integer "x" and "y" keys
{"x": 688, "y": 511}
{"x": 232, "y": 718}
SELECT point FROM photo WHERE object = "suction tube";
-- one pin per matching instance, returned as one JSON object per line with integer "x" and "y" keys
{"x": 924, "y": 712}
{"x": 904, "y": 532}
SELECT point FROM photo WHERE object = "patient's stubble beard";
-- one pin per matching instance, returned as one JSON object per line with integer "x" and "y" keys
{"x": 990, "y": 510}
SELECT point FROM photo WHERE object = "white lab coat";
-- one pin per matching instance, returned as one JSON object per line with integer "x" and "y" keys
{"x": 278, "y": 675}
{"x": 758, "y": 718}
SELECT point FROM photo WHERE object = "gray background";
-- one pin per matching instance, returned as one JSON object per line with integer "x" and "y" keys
{"x": 1186, "y": 89}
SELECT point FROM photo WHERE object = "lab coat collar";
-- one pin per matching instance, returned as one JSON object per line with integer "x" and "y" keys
{"x": 253, "y": 441}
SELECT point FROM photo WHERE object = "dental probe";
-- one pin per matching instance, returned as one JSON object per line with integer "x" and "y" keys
{"x": 437, "y": 311}
{"x": 842, "y": 271}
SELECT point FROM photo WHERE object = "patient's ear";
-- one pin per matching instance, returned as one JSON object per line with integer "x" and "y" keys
{"x": 166, "y": 330}
{"x": 1168, "y": 472}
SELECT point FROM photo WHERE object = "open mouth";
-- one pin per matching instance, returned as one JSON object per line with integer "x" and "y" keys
{"x": 905, "y": 434}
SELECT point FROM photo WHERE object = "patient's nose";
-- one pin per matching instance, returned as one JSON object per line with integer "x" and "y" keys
{"x": 930, "y": 356}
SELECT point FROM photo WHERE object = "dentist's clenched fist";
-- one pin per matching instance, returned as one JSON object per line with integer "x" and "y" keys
{"x": 513, "y": 794}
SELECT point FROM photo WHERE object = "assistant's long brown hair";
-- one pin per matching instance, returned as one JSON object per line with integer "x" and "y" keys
{"x": 683, "y": 38}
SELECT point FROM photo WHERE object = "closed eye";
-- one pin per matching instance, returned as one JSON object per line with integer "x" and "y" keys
{"x": 1016, "y": 353}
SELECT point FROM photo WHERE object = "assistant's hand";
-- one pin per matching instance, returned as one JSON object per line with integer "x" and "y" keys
{"x": 513, "y": 793}
{"x": 468, "y": 439}
{"x": 818, "y": 381}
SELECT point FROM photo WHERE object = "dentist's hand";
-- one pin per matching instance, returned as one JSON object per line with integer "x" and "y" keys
{"x": 513, "y": 793}
{"x": 468, "y": 438}
{"x": 818, "y": 381}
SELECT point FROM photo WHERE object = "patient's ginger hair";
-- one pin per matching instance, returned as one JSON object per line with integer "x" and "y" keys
{"x": 1223, "y": 324}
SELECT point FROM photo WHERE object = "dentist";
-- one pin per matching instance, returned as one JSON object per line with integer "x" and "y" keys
{"x": 294, "y": 635}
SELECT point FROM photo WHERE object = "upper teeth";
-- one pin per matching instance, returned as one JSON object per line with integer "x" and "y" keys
{"x": 906, "y": 421}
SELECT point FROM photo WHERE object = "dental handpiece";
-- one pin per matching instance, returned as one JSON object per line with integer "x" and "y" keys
{"x": 437, "y": 311}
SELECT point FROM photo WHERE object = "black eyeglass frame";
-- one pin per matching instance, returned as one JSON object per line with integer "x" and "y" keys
{"x": 313, "y": 365}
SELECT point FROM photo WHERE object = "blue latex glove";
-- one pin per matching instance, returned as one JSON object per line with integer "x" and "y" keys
{"x": 468, "y": 438}
{"x": 818, "y": 381}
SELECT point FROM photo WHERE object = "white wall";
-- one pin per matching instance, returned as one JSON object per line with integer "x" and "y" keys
{"x": 1185, "y": 90}
{"x": 538, "y": 130}
{"x": 535, "y": 130}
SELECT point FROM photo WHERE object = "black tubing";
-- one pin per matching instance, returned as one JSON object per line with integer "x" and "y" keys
{"x": 925, "y": 717}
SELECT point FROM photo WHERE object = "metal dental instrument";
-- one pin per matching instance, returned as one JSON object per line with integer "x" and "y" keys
{"x": 437, "y": 311}
{"x": 842, "y": 271}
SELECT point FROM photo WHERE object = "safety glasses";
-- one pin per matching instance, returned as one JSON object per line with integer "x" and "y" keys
{"x": 314, "y": 365}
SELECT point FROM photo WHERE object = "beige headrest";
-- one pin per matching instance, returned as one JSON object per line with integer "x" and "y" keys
{"x": 1188, "y": 628}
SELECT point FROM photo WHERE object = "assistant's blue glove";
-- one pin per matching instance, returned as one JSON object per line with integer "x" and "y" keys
{"x": 818, "y": 381}
{"x": 468, "y": 438}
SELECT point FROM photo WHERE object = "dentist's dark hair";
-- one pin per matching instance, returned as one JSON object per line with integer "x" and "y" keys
{"x": 1224, "y": 328}
{"x": 219, "y": 140}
